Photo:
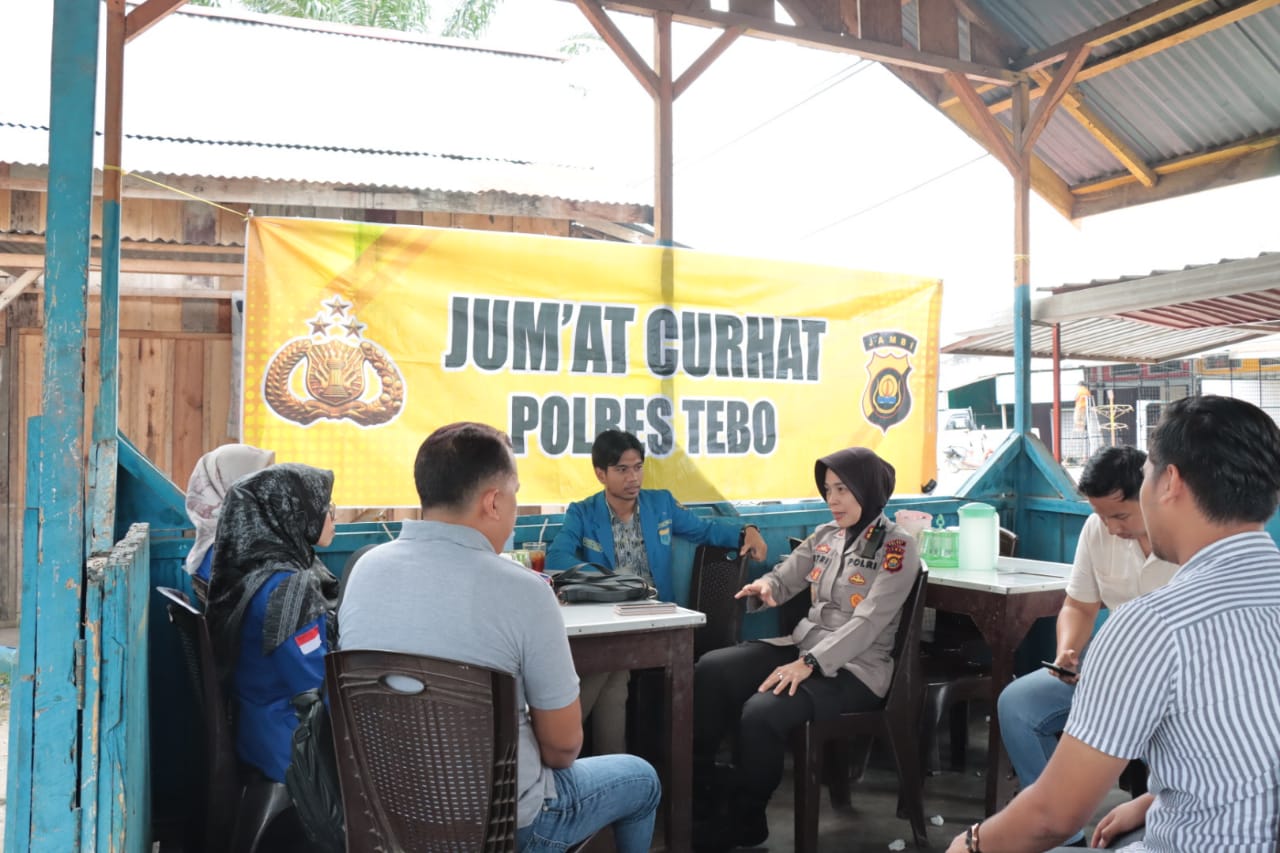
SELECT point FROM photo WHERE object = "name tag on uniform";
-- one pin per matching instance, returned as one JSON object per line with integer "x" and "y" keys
{"x": 591, "y": 545}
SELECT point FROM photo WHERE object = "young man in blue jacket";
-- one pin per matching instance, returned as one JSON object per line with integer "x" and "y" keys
{"x": 629, "y": 529}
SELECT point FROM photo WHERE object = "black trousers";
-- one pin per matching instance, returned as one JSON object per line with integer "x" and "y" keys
{"x": 726, "y": 700}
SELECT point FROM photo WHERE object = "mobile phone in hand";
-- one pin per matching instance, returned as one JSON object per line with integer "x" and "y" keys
{"x": 1061, "y": 670}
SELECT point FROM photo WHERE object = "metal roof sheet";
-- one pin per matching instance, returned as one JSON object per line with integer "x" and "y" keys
{"x": 257, "y": 97}
{"x": 1216, "y": 89}
{"x": 1152, "y": 318}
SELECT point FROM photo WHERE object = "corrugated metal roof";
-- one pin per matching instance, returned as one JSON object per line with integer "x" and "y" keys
{"x": 251, "y": 96}
{"x": 1218, "y": 88}
{"x": 1111, "y": 339}
{"x": 1165, "y": 314}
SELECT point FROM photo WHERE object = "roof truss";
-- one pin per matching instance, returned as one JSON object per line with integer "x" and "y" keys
{"x": 962, "y": 76}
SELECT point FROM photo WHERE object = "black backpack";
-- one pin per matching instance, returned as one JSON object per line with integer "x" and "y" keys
{"x": 312, "y": 776}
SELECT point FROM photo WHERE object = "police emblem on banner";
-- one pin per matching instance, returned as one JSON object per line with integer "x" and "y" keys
{"x": 338, "y": 364}
{"x": 887, "y": 399}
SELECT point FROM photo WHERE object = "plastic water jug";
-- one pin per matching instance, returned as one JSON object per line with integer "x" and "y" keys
{"x": 979, "y": 536}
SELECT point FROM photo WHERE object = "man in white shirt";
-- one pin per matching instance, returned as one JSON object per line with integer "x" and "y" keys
{"x": 1114, "y": 564}
{"x": 1186, "y": 677}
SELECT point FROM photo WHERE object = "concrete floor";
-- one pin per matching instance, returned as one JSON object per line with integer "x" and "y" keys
{"x": 872, "y": 823}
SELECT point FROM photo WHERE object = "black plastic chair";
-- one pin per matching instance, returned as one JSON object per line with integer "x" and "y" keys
{"x": 898, "y": 721}
{"x": 951, "y": 682}
{"x": 239, "y": 803}
{"x": 718, "y": 573}
{"x": 792, "y": 611}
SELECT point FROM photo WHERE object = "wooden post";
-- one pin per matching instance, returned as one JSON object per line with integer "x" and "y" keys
{"x": 1021, "y": 266}
{"x": 1057, "y": 391}
{"x": 100, "y": 529}
{"x": 44, "y": 753}
{"x": 664, "y": 138}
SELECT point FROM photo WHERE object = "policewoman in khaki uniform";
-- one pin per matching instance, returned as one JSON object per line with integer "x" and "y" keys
{"x": 858, "y": 569}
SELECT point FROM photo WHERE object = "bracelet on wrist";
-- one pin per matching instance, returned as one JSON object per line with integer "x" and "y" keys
{"x": 971, "y": 843}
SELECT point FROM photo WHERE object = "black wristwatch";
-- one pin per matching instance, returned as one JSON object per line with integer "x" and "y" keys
{"x": 812, "y": 662}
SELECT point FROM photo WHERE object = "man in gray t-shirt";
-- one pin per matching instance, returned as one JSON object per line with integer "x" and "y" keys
{"x": 441, "y": 589}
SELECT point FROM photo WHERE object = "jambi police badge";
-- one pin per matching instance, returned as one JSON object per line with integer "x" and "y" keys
{"x": 887, "y": 400}
{"x": 335, "y": 373}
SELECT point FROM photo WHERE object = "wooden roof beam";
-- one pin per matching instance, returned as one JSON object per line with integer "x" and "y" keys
{"x": 1173, "y": 38}
{"x": 618, "y": 43}
{"x": 1074, "y": 105}
{"x": 146, "y": 16}
{"x": 1046, "y": 182}
{"x": 20, "y": 284}
{"x": 877, "y": 51}
{"x": 35, "y": 263}
{"x": 1232, "y": 164}
{"x": 993, "y": 135}
{"x": 1124, "y": 25}
{"x": 1062, "y": 79}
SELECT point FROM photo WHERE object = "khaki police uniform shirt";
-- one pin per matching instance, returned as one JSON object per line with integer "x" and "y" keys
{"x": 857, "y": 592}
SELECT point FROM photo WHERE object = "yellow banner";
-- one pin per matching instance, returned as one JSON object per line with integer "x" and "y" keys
{"x": 736, "y": 373}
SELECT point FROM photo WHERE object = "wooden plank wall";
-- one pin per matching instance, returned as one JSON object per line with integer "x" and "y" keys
{"x": 175, "y": 353}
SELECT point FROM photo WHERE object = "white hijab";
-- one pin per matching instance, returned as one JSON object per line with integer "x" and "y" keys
{"x": 209, "y": 484}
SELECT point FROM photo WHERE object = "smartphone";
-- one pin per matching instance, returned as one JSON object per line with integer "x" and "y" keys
{"x": 1061, "y": 670}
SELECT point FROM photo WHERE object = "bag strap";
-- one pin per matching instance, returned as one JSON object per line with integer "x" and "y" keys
{"x": 579, "y": 573}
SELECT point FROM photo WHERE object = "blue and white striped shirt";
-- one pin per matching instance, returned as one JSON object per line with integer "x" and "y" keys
{"x": 1188, "y": 678}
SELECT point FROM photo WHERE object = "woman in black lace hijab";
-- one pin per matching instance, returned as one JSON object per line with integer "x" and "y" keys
{"x": 272, "y": 603}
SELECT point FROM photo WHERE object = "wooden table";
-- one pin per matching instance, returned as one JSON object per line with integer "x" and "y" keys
{"x": 602, "y": 641}
{"x": 1004, "y": 604}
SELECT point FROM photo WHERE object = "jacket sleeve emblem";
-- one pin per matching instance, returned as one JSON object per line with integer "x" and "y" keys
{"x": 893, "y": 553}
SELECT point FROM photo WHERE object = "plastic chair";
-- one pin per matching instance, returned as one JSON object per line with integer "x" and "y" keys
{"x": 791, "y": 612}
{"x": 426, "y": 751}
{"x": 718, "y": 573}
{"x": 951, "y": 682}
{"x": 898, "y": 721}
{"x": 239, "y": 803}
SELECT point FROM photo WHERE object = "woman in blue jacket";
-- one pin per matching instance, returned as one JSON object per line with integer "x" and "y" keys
{"x": 272, "y": 604}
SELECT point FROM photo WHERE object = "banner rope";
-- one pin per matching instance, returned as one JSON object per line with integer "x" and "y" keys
{"x": 127, "y": 174}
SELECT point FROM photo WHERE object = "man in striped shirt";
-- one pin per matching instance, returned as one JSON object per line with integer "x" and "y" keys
{"x": 1187, "y": 677}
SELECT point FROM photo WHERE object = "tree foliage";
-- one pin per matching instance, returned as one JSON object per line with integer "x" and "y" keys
{"x": 464, "y": 19}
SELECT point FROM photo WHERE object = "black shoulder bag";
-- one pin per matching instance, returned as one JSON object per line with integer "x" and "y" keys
{"x": 592, "y": 582}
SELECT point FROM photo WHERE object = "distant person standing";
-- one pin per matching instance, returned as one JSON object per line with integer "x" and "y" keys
{"x": 1084, "y": 402}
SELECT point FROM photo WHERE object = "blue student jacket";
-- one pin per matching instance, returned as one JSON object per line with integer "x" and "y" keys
{"x": 587, "y": 534}
{"x": 265, "y": 685}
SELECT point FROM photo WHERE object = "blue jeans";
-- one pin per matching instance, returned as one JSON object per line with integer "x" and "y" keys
{"x": 608, "y": 790}
{"x": 1033, "y": 711}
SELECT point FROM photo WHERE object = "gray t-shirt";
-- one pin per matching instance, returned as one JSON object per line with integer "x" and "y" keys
{"x": 440, "y": 590}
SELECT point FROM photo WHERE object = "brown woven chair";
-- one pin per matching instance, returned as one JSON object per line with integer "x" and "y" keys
{"x": 718, "y": 573}
{"x": 898, "y": 720}
{"x": 427, "y": 761}
{"x": 239, "y": 803}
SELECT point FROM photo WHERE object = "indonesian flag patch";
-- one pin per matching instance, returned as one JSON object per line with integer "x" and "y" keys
{"x": 309, "y": 640}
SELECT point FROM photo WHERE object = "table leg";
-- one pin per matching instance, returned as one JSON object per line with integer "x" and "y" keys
{"x": 678, "y": 786}
{"x": 1004, "y": 630}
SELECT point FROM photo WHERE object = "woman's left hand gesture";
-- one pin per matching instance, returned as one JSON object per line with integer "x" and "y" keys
{"x": 786, "y": 678}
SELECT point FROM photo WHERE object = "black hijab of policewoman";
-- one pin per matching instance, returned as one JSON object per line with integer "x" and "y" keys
{"x": 270, "y": 523}
{"x": 866, "y": 475}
